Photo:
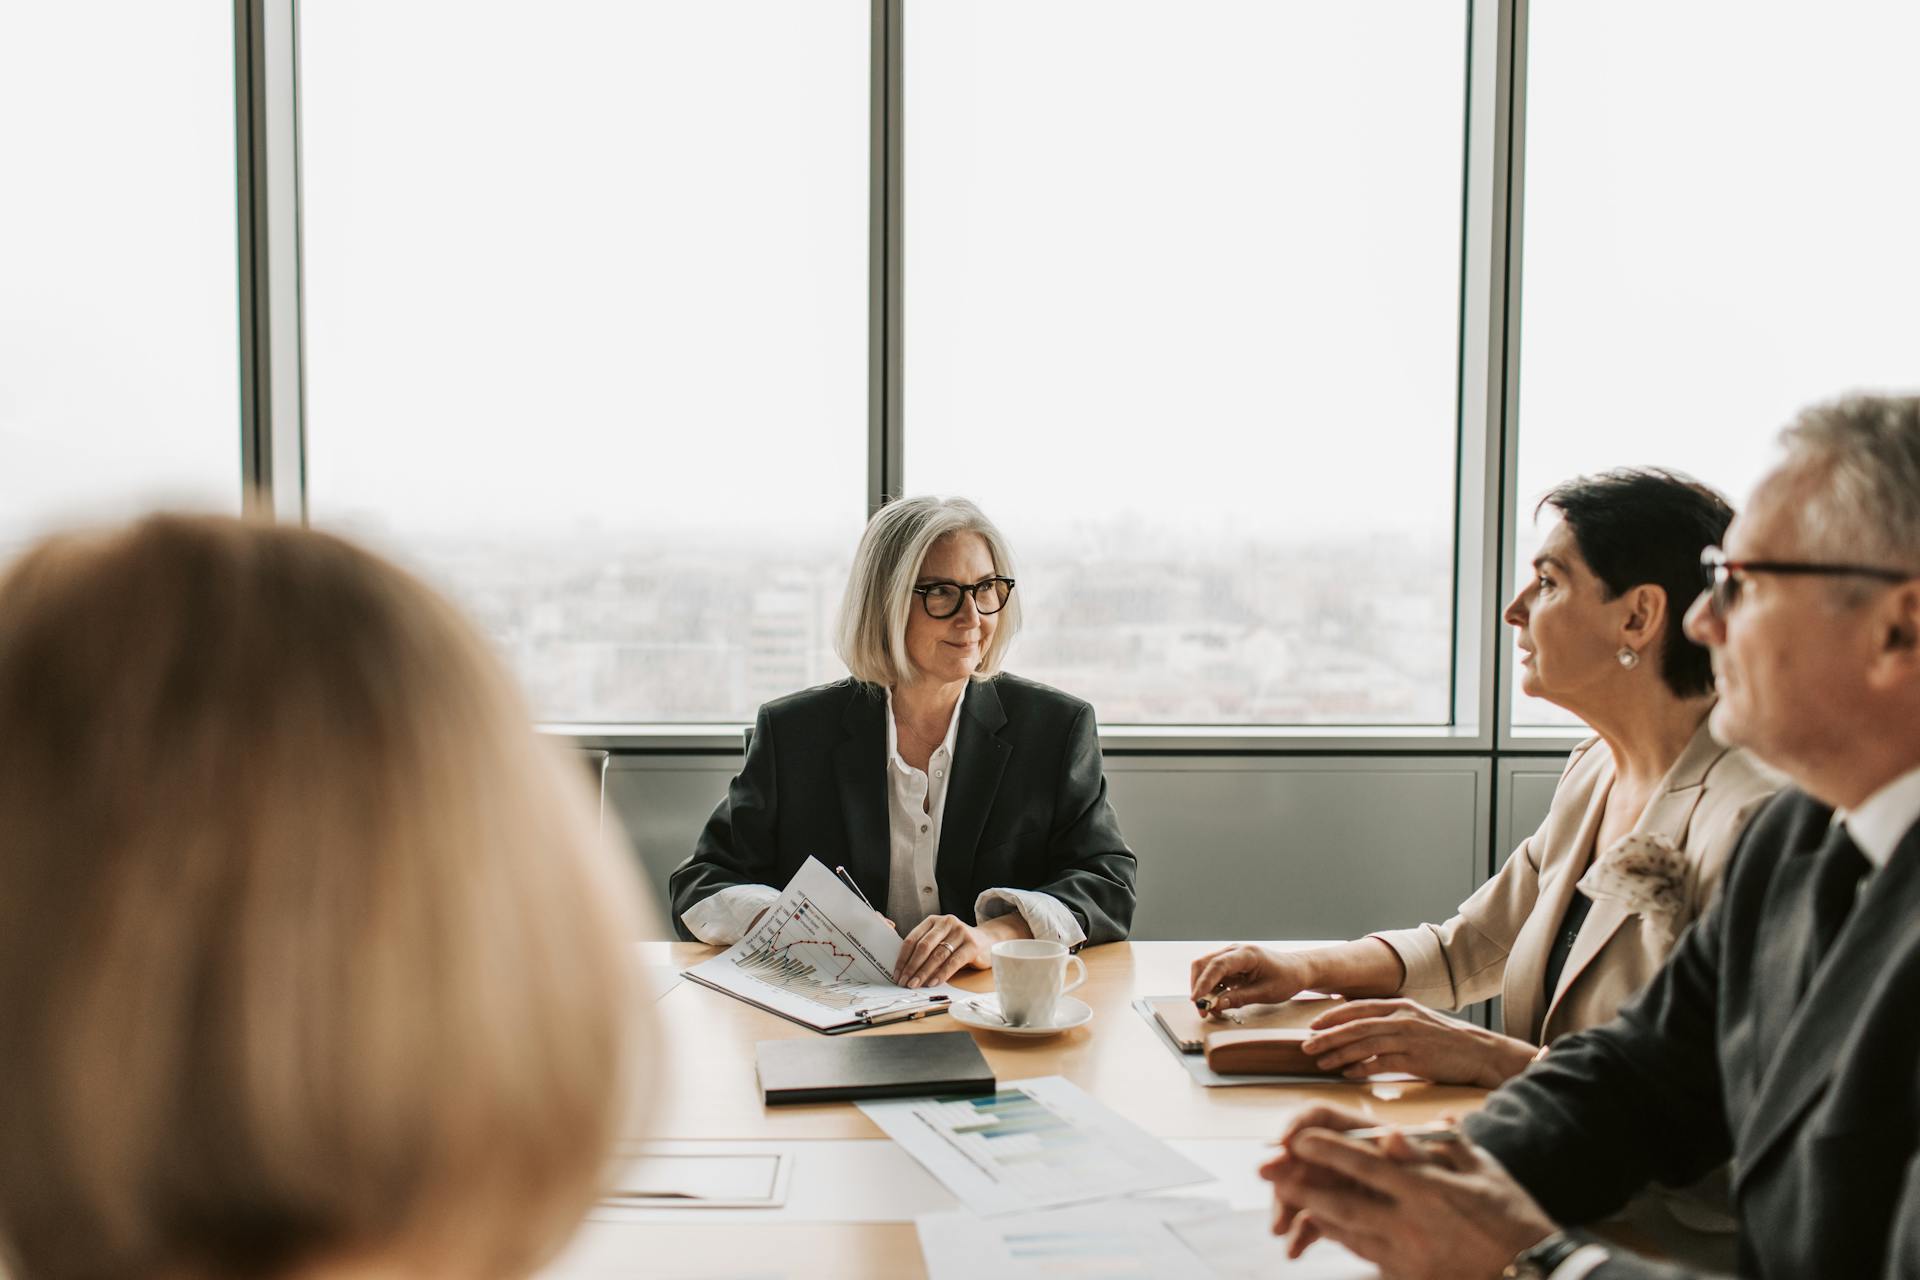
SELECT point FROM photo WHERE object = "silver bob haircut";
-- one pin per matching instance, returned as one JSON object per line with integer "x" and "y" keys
{"x": 871, "y": 632}
{"x": 1865, "y": 452}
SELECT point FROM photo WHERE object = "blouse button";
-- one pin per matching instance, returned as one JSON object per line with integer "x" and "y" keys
{"x": 927, "y": 889}
{"x": 939, "y": 773}
{"x": 923, "y": 828}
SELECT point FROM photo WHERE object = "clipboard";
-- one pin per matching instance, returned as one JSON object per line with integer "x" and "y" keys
{"x": 859, "y": 1020}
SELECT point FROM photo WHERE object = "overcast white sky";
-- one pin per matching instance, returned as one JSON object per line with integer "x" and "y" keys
{"x": 603, "y": 263}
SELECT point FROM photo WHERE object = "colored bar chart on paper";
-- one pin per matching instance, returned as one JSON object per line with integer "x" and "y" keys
{"x": 1035, "y": 1143}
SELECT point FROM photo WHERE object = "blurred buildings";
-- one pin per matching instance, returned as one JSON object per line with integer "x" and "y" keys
{"x": 1151, "y": 628}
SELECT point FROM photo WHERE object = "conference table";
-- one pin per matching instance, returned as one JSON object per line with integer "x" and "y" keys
{"x": 703, "y": 1096}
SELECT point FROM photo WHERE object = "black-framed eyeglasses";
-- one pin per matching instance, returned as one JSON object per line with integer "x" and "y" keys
{"x": 1725, "y": 577}
{"x": 942, "y": 599}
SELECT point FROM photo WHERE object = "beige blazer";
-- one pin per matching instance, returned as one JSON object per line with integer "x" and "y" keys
{"x": 1499, "y": 942}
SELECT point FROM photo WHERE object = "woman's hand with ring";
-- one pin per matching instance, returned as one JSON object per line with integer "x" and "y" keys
{"x": 938, "y": 948}
{"x": 1364, "y": 1037}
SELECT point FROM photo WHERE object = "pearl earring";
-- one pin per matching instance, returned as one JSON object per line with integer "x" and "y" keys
{"x": 1628, "y": 658}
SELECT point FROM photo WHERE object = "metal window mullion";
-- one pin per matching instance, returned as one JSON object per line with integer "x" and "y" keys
{"x": 1507, "y": 506}
{"x": 1482, "y": 485}
{"x": 886, "y": 468}
{"x": 267, "y": 145}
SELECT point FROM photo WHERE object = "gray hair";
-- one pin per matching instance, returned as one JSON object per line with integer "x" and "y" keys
{"x": 870, "y": 634}
{"x": 1865, "y": 452}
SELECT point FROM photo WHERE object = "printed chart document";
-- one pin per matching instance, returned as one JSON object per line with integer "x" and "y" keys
{"x": 1034, "y": 1144}
{"x": 1132, "y": 1238}
{"x": 822, "y": 958}
{"x": 1241, "y": 1246}
{"x": 1126, "y": 1239}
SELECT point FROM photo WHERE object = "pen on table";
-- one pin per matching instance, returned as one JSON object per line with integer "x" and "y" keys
{"x": 935, "y": 1004}
{"x": 847, "y": 880}
{"x": 1437, "y": 1134}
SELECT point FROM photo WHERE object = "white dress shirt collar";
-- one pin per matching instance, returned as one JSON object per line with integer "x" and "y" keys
{"x": 1883, "y": 819}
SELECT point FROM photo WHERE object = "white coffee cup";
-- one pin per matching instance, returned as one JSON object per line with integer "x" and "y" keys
{"x": 1028, "y": 974}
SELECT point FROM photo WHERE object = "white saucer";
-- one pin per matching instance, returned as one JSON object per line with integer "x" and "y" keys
{"x": 983, "y": 1013}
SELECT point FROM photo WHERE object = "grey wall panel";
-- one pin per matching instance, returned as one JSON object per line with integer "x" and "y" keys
{"x": 1229, "y": 848}
{"x": 1526, "y": 786}
{"x": 662, "y": 802}
{"x": 1526, "y": 789}
{"x": 1300, "y": 848}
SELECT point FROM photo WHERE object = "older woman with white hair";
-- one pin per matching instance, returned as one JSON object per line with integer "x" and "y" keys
{"x": 968, "y": 804}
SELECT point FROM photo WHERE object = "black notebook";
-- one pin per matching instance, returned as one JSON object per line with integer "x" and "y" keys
{"x": 911, "y": 1066}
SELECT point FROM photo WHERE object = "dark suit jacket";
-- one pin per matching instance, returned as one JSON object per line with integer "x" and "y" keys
{"x": 1816, "y": 1101}
{"x": 1026, "y": 808}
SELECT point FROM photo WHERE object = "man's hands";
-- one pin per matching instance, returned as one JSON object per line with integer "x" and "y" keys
{"x": 1418, "y": 1213}
{"x": 1246, "y": 974}
{"x": 941, "y": 946}
{"x": 1366, "y": 1037}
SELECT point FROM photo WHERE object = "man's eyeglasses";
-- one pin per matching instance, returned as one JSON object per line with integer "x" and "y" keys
{"x": 942, "y": 599}
{"x": 1726, "y": 577}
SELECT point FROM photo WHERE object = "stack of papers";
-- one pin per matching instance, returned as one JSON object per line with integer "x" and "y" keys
{"x": 1052, "y": 1182}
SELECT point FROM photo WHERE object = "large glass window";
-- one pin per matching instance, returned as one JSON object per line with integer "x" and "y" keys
{"x": 586, "y": 291}
{"x": 119, "y": 373}
{"x": 1719, "y": 231}
{"x": 1182, "y": 312}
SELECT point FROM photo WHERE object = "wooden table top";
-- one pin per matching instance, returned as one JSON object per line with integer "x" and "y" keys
{"x": 707, "y": 1088}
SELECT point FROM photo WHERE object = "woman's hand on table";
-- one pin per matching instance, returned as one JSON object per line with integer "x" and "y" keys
{"x": 941, "y": 946}
{"x": 1246, "y": 974}
{"x": 1366, "y": 1037}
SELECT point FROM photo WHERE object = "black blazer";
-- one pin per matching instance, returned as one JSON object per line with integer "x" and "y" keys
{"x": 1816, "y": 1101}
{"x": 1026, "y": 809}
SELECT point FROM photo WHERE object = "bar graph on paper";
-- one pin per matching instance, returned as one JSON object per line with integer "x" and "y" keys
{"x": 1034, "y": 1144}
{"x": 1020, "y": 1142}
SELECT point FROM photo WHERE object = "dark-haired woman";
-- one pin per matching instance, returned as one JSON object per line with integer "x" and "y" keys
{"x": 1646, "y": 812}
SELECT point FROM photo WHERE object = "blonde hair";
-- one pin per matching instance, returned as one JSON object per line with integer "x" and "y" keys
{"x": 310, "y": 950}
{"x": 871, "y": 632}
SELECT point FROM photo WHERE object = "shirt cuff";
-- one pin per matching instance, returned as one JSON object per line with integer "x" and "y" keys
{"x": 1046, "y": 916}
{"x": 723, "y": 917}
{"x": 1581, "y": 1263}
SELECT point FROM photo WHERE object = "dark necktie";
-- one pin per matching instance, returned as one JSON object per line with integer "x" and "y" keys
{"x": 1836, "y": 882}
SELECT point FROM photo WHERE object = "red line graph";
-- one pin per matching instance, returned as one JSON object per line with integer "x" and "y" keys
{"x": 813, "y": 964}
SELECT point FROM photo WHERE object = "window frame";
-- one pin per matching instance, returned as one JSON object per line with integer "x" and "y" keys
{"x": 266, "y": 50}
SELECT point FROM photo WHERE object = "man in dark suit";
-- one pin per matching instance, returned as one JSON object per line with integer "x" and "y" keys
{"x": 1784, "y": 1032}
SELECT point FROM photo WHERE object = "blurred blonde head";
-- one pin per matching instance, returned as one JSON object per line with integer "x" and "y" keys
{"x": 871, "y": 633}
{"x": 311, "y": 952}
